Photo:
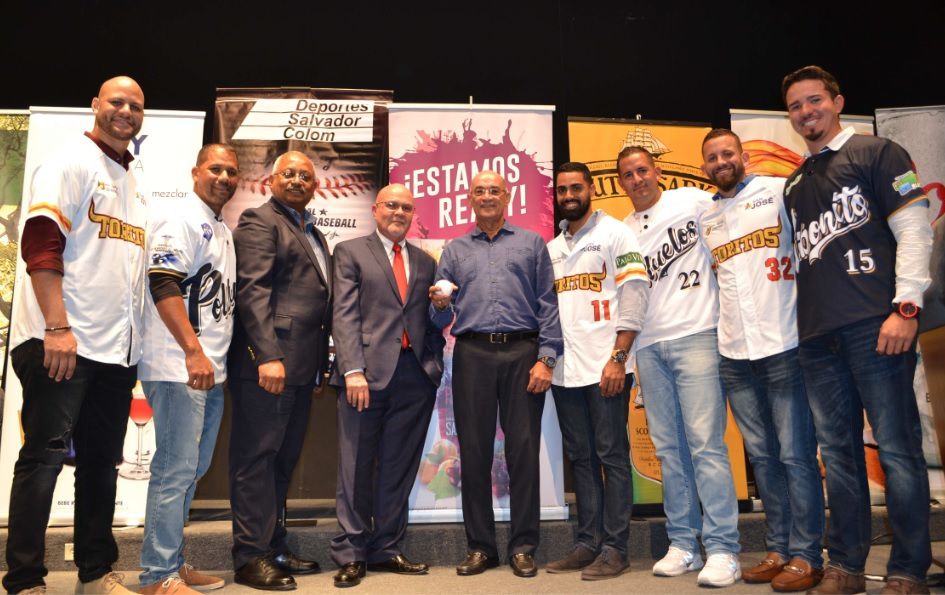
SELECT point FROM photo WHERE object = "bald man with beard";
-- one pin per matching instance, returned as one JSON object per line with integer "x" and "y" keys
{"x": 76, "y": 343}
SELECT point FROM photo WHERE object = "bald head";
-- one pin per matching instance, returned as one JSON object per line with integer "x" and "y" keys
{"x": 119, "y": 112}
{"x": 393, "y": 212}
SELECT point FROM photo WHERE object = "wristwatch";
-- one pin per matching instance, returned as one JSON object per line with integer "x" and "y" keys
{"x": 619, "y": 356}
{"x": 548, "y": 361}
{"x": 907, "y": 310}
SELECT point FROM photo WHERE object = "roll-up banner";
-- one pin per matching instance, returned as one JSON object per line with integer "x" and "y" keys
{"x": 921, "y": 130}
{"x": 164, "y": 152}
{"x": 677, "y": 149}
{"x": 343, "y": 131}
{"x": 14, "y": 127}
{"x": 436, "y": 150}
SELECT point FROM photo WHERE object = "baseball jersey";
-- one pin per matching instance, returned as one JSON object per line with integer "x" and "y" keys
{"x": 605, "y": 255}
{"x": 96, "y": 204}
{"x": 187, "y": 240}
{"x": 839, "y": 201}
{"x": 749, "y": 237}
{"x": 684, "y": 295}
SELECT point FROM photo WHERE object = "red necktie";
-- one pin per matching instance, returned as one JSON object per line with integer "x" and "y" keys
{"x": 400, "y": 275}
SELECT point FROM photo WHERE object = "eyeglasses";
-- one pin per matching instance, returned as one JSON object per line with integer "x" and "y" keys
{"x": 288, "y": 174}
{"x": 491, "y": 191}
{"x": 393, "y": 205}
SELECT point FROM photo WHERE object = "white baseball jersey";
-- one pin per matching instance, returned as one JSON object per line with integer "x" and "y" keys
{"x": 749, "y": 236}
{"x": 98, "y": 208}
{"x": 187, "y": 240}
{"x": 605, "y": 255}
{"x": 684, "y": 294}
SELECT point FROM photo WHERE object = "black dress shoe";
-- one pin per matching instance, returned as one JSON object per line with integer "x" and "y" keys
{"x": 400, "y": 565}
{"x": 292, "y": 564}
{"x": 263, "y": 573}
{"x": 523, "y": 565}
{"x": 349, "y": 575}
{"x": 476, "y": 562}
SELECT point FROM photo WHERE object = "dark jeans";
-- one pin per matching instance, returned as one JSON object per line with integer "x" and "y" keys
{"x": 769, "y": 403}
{"x": 594, "y": 431}
{"x": 490, "y": 379}
{"x": 91, "y": 410}
{"x": 266, "y": 439}
{"x": 844, "y": 375}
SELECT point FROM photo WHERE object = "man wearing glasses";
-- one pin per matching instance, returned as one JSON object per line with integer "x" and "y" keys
{"x": 278, "y": 353}
{"x": 389, "y": 364}
{"x": 507, "y": 340}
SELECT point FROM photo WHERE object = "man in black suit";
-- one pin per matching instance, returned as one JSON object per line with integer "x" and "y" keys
{"x": 279, "y": 351}
{"x": 389, "y": 364}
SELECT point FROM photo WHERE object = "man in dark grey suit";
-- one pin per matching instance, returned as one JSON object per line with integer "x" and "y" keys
{"x": 278, "y": 353}
{"x": 389, "y": 364}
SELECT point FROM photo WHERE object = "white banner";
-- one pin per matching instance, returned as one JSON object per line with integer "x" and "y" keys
{"x": 165, "y": 150}
{"x": 436, "y": 150}
{"x": 315, "y": 120}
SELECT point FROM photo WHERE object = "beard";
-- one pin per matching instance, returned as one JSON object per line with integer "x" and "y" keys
{"x": 113, "y": 131}
{"x": 576, "y": 213}
{"x": 728, "y": 180}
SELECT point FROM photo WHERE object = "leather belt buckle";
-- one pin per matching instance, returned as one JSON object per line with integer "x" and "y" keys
{"x": 498, "y": 338}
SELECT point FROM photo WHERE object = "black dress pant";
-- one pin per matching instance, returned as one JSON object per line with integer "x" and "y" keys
{"x": 266, "y": 439}
{"x": 379, "y": 452}
{"x": 490, "y": 378}
{"x": 90, "y": 410}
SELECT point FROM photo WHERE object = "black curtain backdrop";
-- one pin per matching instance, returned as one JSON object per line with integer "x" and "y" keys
{"x": 664, "y": 60}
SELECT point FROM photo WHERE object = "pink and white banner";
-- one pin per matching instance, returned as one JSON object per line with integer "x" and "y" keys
{"x": 436, "y": 151}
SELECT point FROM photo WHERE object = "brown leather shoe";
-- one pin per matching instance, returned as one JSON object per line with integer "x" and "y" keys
{"x": 797, "y": 575}
{"x": 902, "y": 584}
{"x": 764, "y": 571}
{"x": 839, "y": 581}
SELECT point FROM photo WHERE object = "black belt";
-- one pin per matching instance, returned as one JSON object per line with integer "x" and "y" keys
{"x": 500, "y": 338}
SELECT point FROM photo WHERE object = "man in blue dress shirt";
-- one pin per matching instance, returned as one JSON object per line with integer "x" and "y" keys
{"x": 507, "y": 340}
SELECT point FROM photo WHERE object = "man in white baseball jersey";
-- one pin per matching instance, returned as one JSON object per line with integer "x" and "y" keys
{"x": 77, "y": 339}
{"x": 748, "y": 233}
{"x": 602, "y": 288}
{"x": 187, "y": 331}
{"x": 678, "y": 360}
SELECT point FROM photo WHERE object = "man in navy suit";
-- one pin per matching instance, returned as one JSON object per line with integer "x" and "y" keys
{"x": 278, "y": 354}
{"x": 389, "y": 363}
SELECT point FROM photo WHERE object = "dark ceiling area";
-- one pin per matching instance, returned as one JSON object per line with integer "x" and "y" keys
{"x": 663, "y": 60}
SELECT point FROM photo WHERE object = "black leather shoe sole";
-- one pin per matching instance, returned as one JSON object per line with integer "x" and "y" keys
{"x": 264, "y": 587}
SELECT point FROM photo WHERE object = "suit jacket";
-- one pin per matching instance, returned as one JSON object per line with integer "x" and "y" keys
{"x": 283, "y": 300}
{"x": 369, "y": 316}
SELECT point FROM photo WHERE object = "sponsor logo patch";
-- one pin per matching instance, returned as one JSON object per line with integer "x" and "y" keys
{"x": 906, "y": 183}
{"x": 629, "y": 258}
{"x": 207, "y": 231}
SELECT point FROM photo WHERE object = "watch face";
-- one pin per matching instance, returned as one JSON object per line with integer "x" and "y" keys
{"x": 620, "y": 357}
{"x": 908, "y": 309}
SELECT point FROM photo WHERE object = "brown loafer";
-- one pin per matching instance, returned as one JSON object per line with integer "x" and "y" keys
{"x": 764, "y": 571}
{"x": 797, "y": 575}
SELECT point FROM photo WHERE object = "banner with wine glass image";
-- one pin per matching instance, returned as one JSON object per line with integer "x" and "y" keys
{"x": 164, "y": 152}
{"x": 436, "y": 151}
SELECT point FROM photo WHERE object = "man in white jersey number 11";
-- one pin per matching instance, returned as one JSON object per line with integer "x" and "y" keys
{"x": 602, "y": 287}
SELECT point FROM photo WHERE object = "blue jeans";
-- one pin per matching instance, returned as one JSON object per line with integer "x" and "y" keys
{"x": 594, "y": 432}
{"x": 686, "y": 416}
{"x": 186, "y": 422}
{"x": 844, "y": 375}
{"x": 769, "y": 403}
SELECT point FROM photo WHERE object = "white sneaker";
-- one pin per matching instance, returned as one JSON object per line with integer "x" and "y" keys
{"x": 721, "y": 570}
{"x": 677, "y": 561}
{"x": 110, "y": 584}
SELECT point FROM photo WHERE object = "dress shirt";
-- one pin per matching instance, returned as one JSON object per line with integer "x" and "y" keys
{"x": 307, "y": 223}
{"x": 506, "y": 285}
{"x": 389, "y": 250}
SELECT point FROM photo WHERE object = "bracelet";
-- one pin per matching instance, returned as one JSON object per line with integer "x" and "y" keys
{"x": 52, "y": 329}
